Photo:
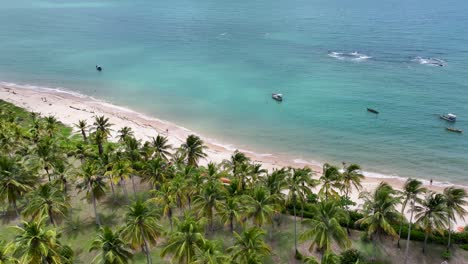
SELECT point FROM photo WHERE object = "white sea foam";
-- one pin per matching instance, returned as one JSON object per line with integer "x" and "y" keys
{"x": 430, "y": 61}
{"x": 351, "y": 56}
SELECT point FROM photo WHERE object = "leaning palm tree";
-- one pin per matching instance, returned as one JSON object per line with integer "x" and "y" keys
{"x": 47, "y": 201}
{"x": 455, "y": 200}
{"x": 113, "y": 249}
{"x": 185, "y": 241}
{"x": 380, "y": 212}
{"x": 298, "y": 182}
{"x": 432, "y": 215}
{"x": 141, "y": 228}
{"x": 82, "y": 126}
{"x": 249, "y": 246}
{"x": 34, "y": 243}
{"x": 351, "y": 177}
{"x": 325, "y": 227}
{"x": 161, "y": 147}
{"x": 93, "y": 184}
{"x": 194, "y": 150}
{"x": 411, "y": 190}
{"x": 15, "y": 181}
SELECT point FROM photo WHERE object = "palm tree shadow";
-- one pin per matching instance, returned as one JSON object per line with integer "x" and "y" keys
{"x": 8, "y": 216}
{"x": 115, "y": 202}
{"x": 109, "y": 220}
{"x": 74, "y": 226}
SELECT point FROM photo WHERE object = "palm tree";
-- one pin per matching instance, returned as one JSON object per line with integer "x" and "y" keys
{"x": 47, "y": 201}
{"x": 230, "y": 210}
{"x": 5, "y": 254}
{"x": 325, "y": 227}
{"x": 161, "y": 147}
{"x": 411, "y": 190}
{"x": 14, "y": 181}
{"x": 206, "y": 201}
{"x": 154, "y": 172}
{"x": 351, "y": 177}
{"x": 432, "y": 215}
{"x": 249, "y": 246}
{"x": 113, "y": 249}
{"x": 46, "y": 151}
{"x": 185, "y": 241}
{"x": 121, "y": 170}
{"x": 102, "y": 127}
{"x": 297, "y": 190}
{"x": 82, "y": 126}
{"x": 261, "y": 206}
{"x": 455, "y": 200}
{"x": 125, "y": 132}
{"x": 379, "y": 212}
{"x": 237, "y": 158}
{"x": 330, "y": 181}
{"x": 165, "y": 198}
{"x": 51, "y": 125}
{"x": 193, "y": 148}
{"x": 141, "y": 227}
{"x": 210, "y": 253}
{"x": 34, "y": 243}
{"x": 94, "y": 185}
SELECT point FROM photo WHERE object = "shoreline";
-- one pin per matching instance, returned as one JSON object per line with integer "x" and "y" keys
{"x": 69, "y": 107}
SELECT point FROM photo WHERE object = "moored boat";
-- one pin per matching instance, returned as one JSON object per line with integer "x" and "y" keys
{"x": 456, "y": 130}
{"x": 449, "y": 117}
{"x": 372, "y": 110}
{"x": 278, "y": 97}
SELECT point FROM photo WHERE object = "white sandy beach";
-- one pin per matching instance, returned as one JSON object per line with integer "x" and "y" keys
{"x": 70, "y": 107}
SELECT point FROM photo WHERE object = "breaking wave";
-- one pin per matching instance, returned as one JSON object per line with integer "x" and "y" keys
{"x": 351, "y": 56}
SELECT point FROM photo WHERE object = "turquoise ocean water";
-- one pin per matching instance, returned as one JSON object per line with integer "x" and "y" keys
{"x": 211, "y": 66}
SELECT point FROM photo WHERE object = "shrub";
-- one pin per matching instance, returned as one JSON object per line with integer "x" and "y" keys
{"x": 446, "y": 255}
{"x": 350, "y": 256}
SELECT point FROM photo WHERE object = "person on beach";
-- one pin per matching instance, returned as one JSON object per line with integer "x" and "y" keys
{"x": 430, "y": 182}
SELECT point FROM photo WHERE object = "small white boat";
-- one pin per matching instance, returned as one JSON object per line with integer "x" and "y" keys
{"x": 449, "y": 117}
{"x": 278, "y": 97}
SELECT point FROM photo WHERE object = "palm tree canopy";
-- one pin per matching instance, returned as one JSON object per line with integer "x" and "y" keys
{"x": 161, "y": 147}
{"x": 455, "y": 200}
{"x": 351, "y": 177}
{"x": 432, "y": 214}
{"x": 325, "y": 227}
{"x": 261, "y": 206}
{"x": 249, "y": 246}
{"x": 194, "y": 150}
{"x": 411, "y": 189}
{"x": 47, "y": 201}
{"x": 113, "y": 250}
{"x": 141, "y": 224}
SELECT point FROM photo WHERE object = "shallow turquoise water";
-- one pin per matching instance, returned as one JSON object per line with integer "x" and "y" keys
{"x": 212, "y": 65}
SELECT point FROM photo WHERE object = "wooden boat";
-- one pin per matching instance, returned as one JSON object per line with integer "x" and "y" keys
{"x": 456, "y": 130}
{"x": 277, "y": 97}
{"x": 372, "y": 110}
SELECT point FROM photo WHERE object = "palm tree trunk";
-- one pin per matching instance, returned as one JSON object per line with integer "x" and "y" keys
{"x": 16, "y": 208}
{"x": 98, "y": 222}
{"x": 124, "y": 188}
{"x": 169, "y": 215}
{"x": 100, "y": 149}
{"x": 295, "y": 228}
{"x": 347, "y": 212}
{"x": 47, "y": 171}
{"x": 147, "y": 251}
{"x": 425, "y": 243}
{"x": 133, "y": 184}
{"x": 374, "y": 242}
{"x": 112, "y": 188}
{"x": 449, "y": 233}
{"x": 409, "y": 234}
{"x": 231, "y": 224}
{"x": 83, "y": 133}
{"x": 51, "y": 218}
{"x": 401, "y": 226}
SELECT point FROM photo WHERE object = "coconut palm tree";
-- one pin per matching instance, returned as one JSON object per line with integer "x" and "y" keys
{"x": 154, "y": 172}
{"x": 120, "y": 172}
{"x": 380, "y": 212}
{"x": 206, "y": 201}
{"x": 230, "y": 210}
{"x": 325, "y": 228}
{"x": 194, "y": 150}
{"x": 186, "y": 241}
{"x": 165, "y": 198}
{"x": 51, "y": 125}
{"x": 351, "y": 177}
{"x": 124, "y": 132}
{"x": 102, "y": 128}
{"x": 34, "y": 243}
{"x": 112, "y": 248}
{"x": 93, "y": 184}
{"x": 297, "y": 180}
{"x": 330, "y": 180}
{"x": 161, "y": 147}
{"x": 141, "y": 227}
{"x": 276, "y": 182}
{"x": 432, "y": 215}
{"x": 411, "y": 190}
{"x": 82, "y": 126}
{"x": 261, "y": 206}
{"x": 47, "y": 201}
{"x": 455, "y": 200}
{"x": 15, "y": 181}
{"x": 237, "y": 158}
{"x": 47, "y": 153}
{"x": 5, "y": 254}
{"x": 210, "y": 253}
{"x": 249, "y": 246}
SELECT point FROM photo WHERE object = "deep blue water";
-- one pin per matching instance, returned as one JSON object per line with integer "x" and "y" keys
{"x": 211, "y": 65}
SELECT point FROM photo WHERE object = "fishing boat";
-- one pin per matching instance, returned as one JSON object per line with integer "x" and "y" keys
{"x": 456, "y": 130}
{"x": 372, "y": 110}
{"x": 449, "y": 117}
{"x": 277, "y": 97}
{"x": 98, "y": 68}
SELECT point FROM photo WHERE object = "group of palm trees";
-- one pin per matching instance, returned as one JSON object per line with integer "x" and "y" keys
{"x": 41, "y": 166}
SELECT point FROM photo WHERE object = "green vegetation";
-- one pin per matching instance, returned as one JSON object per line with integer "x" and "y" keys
{"x": 65, "y": 199}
